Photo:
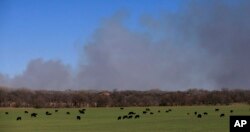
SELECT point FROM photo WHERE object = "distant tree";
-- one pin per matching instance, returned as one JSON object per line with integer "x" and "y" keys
{"x": 42, "y": 98}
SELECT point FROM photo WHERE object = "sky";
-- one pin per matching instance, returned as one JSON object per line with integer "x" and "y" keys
{"x": 132, "y": 44}
{"x": 55, "y": 29}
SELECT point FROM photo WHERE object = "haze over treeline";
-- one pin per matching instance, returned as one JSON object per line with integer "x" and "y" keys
{"x": 86, "y": 98}
{"x": 202, "y": 45}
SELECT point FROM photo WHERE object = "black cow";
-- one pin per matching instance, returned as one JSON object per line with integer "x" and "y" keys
{"x": 19, "y": 118}
{"x": 231, "y": 111}
{"x": 33, "y": 114}
{"x": 124, "y": 117}
{"x": 222, "y": 115}
{"x": 205, "y": 113}
{"x": 195, "y": 113}
{"x": 78, "y": 117}
{"x": 56, "y": 110}
{"x": 147, "y": 109}
{"x": 82, "y": 111}
{"x": 137, "y": 116}
{"x": 130, "y": 117}
{"x": 6, "y": 113}
{"x": 67, "y": 113}
{"x": 26, "y": 112}
{"x": 199, "y": 115}
{"x": 47, "y": 113}
{"x": 121, "y": 108}
{"x": 131, "y": 113}
{"x": 119, "y": 118}
{"x": 168, "y": 110}
{"x": 217, "y": 109}
{"x": 159, "y": 111}
{"x": 151, "y": 113}
{"x": 144, "y": 112}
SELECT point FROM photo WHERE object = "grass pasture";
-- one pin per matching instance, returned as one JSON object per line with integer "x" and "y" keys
{"x": 105, "y": 119}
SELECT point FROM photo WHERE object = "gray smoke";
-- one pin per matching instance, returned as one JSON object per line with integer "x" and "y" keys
{"x": 226, "y": 38}
{"x": 203, "y": 45}
{"x": 4, "y": 80}
{"x": 41, "y": 74}
{"x": 222, "y": 29}
{"x": 123, "y": 59}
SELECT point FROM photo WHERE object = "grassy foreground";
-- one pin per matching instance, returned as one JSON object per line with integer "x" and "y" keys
{"x": 105, "y": 119}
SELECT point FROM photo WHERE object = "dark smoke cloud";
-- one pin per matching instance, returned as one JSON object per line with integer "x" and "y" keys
{"x": 203, "y": 45}
{"x": 226, "y": 37}
{"x": 222, "y": 29}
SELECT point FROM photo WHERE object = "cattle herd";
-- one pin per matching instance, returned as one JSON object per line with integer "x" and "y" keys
{"x": 47, "y": 113}
{"x": 129, "y": 115}
{"x": 199, "y": 115}
{"x": 134, "y": 115}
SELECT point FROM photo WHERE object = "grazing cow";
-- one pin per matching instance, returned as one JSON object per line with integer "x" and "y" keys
{"x": 151, "y": 113}
{"x": 78, "y": 117}
{"x": 82, "y": 111}
{"x": 231, "y": 111}
{"x": 19, "y": 118}
{"x": 159, "y": 111}
{"x": 217, "y": 109}
{"x": 47, "y": 113}
{"x": 205, "y": 113}
{"x": 195, "y": 113}
{"x": 124, "y": 117}
{"x": 168, "y": 110}
{"x": 67, "y": 113}
{"x": 119, "y": 118}
{"x": 199, "y": 115}
{"x": 130, "y": 117}
{"x": 144, "y": 112}
{"x": 33, "y": 114}
{"x": 131, "y": 113}
{"x": 56, "y": 110}
{"x": 6, "y": 113}
{"x": 121, "y": 108}
{"x": 222, "y": 115}
{"x": 147, "y": 109}
{"x": 137, "y": 116}
{"x": 26, "y": 112}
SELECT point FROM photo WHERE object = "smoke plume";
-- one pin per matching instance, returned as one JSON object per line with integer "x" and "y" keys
{"x": 205, "y": 44}
{"x": 41, "y": 74}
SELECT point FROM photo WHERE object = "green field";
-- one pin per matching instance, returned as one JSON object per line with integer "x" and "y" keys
{"x": 105, "y": 119}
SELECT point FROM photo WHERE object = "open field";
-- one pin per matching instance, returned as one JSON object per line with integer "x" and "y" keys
{"x": 105, "y": 119}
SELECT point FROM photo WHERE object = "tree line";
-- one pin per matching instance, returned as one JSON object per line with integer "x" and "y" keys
{"x": 86, "y": 98}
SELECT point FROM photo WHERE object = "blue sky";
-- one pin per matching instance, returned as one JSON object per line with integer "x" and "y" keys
{"x": 56, "y": 29}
